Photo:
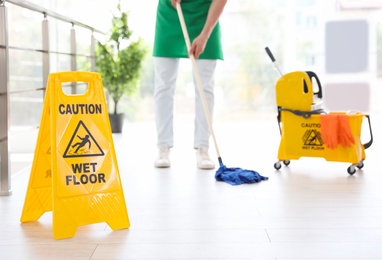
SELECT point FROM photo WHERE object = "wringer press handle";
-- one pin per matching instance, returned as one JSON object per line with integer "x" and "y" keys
{"x": 273, "y": 59}
{"x": 274, "y": 63}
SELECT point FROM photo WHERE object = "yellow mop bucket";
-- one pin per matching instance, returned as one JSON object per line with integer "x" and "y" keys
{"x": 301, "y": 125}
{"x": 302, "y": 137}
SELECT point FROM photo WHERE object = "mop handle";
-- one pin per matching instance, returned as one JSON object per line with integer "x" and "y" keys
{"x": 197, "y": 77}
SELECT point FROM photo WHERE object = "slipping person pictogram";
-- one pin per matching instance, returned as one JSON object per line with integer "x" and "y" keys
{"x": 83, "y": 142}
{"x": 312, "y": 138}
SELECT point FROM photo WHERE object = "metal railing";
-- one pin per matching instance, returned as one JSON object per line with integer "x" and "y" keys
{"x": 6, "y": 93}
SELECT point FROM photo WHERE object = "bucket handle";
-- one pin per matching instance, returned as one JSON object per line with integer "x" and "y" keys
{"x": 304, "y": 114}
{"x": 368, "y": 144}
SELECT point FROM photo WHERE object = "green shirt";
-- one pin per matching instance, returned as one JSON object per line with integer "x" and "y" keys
{"x": 169, "y": 40}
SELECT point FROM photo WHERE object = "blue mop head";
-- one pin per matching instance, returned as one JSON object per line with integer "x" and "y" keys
{"x": 236, "y": 176}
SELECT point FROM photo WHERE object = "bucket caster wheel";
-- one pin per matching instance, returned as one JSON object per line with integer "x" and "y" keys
{"x": 277, "y": 165}
{"x": 351, "y": 169}
{"x": 286, "y": 162}
{"x": 360, "y": 165}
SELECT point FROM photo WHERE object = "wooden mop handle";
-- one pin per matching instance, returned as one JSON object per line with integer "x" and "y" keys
{"x": 183, "y": 25}
{"x": 197, "y": 77}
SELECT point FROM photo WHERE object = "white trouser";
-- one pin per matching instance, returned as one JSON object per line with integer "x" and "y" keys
{"x": 166, "y": 71}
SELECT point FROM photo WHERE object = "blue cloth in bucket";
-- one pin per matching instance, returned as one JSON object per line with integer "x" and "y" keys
{"x": 237, "y": 176}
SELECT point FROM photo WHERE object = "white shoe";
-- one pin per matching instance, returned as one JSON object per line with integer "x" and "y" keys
{"x": 203, "y": 159}
{"x": 163, "y": 160}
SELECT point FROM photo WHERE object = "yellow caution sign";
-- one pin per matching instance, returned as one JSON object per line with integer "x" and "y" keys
{"x": 74, "y": 171}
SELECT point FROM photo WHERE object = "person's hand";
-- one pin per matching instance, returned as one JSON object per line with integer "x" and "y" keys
{"x": 198, "y": 45}
{"x": 173, "y": 2}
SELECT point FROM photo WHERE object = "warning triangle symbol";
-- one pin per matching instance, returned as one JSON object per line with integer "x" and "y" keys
{"x": 82, "y": 143}
{"x": 313, "y": 138}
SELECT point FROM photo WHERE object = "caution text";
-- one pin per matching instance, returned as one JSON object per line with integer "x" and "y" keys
{"x": 316, "y": 125}
{"x": 74, "y": 109}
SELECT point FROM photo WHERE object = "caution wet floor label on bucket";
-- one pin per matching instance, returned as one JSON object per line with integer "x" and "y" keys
{"x": 75, "y": 172}
{"x": 312, "y": 137}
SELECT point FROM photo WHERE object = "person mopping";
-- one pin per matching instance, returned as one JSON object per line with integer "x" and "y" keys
{"x": 202, "y": 16}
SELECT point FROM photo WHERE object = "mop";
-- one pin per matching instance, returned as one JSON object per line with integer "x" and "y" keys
{"x": 233, "y": 176}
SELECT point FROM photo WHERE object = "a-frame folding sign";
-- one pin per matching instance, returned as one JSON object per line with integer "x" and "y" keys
{"x": 74, "y": 171}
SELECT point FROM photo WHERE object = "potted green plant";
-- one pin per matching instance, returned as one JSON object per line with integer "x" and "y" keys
{"x": 119, "y": 61}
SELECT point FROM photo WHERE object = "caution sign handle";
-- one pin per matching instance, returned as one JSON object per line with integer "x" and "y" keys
{"x": 76, "y": 76}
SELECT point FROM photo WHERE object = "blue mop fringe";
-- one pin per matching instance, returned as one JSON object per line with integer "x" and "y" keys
{"x": 237, "y": 176}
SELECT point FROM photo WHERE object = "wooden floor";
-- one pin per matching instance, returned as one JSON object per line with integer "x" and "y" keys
{"x": 312, "y": 209}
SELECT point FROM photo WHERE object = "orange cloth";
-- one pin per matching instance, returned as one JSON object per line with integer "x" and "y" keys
{"x": 345, "y": 135}
{"x": 335, "y": 130}
{"x": 329, "y": 130}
